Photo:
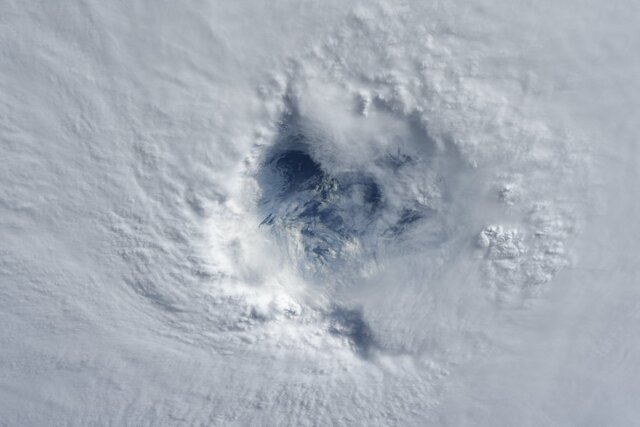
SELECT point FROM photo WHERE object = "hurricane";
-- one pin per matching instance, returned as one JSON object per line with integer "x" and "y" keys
{"x": 317, "y": 213}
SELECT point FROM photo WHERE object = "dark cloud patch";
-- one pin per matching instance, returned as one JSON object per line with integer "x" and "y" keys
{"x": 350, "y": 324}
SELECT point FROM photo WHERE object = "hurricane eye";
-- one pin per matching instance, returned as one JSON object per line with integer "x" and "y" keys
{"x": 324, "y": 211}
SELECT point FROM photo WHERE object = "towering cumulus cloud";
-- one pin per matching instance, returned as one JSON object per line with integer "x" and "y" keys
{"x": 319, "y": 213}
